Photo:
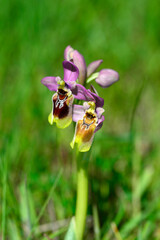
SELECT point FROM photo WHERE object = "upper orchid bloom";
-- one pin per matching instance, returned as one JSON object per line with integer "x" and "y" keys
{"x": 66, "y": 90}
{"x": 89, "y": 119}
{"x": 105, "y": 78}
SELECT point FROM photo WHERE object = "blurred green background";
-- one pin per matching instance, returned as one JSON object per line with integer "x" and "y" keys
{"x": 37, "y": 166}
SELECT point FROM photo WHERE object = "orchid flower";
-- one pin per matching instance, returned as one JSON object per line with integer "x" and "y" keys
{"x": 89, "y": 119}
{"x": 105, "y": 78}
{"x": 66, "y": 90}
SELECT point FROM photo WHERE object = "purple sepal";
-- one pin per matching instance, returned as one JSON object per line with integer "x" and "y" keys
{"x": 98, "y": 100}
{"x": 79, "y": 61}
{"x": 100, "y": 123}
{"x": 50, "y": 83}
{"x": 78, "y": 112}
{"x": 67, "y": 53}
{"x": 81, "y": 93}
{"x": 93, "y": 66}
{"x": 99, "y": 111}
{"x": 92, "y": 88}
{"x": 71, "y": 72}
{"x": 107, "y": 77}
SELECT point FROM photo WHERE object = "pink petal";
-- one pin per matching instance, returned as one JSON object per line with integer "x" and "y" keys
{"x": 99, "y": 111}
{"x": 81, "y": 93}
{"x": 100, "y": 123}
{"x": 71, "y": 72}
{"x": 98, "y": 100}
{"x": 50, "y": 83}
{"x": 93, "y": 66}
{"x": 79, "y": 61}
{"x": 67, "y": 53}
{"x": 78, "y": 112}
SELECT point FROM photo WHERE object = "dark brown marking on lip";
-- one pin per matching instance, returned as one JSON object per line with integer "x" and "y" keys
{"x": 61, "y": 91}
{"x": 90, "y": 115}
{"x": 60, "y": 112}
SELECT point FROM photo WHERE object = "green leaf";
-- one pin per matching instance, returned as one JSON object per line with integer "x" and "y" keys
{"x": 71, "y": 233}
{"x": 96, "y": 222}
{"x": 3, "y": 172}
{"x": 24, "y": 208}
{"x": 13, "y": 231}
{"x": 144, "y": 182}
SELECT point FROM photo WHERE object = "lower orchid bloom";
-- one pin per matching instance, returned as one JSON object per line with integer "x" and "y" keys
{"x": 66, "y": 90}
{"x": 89, "y": 119}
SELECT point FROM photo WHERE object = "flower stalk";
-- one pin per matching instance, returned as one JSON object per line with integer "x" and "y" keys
{"x": 88, "y": 117}
{"x": 82, "y": 193}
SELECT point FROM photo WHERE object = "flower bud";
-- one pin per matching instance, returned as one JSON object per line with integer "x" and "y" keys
{"x": 107, "y": 77}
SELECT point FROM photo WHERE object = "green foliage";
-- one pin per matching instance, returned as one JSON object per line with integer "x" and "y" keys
{"x": 71, "y": 233}
{"x": 37, "y": 200}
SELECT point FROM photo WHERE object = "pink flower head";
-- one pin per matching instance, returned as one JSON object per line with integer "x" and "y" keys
{"x": 66, "y": 90}
{"x": 89, "y": 119}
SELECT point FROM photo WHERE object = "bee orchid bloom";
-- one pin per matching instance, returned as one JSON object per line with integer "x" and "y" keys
{"x": 89, "y": 119}
{"x": 66, "y": 90}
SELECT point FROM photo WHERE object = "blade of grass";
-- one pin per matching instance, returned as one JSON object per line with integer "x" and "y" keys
{"x": 136, "y": 104}
{"x": 24, "y": 209}
{"x": 137, "y": 220}
{"x": 116, "y": 231}
{"x": 46, "y": 202}
{"x": 144, "y": 181}
{"x": 13, "y": 231}
{"x": 27, "y": 209}
{"x": 56, "y": 233}
{"x": 147, "y": 229}
{"x": 96, "y": 222}
{"x": 4, "y": 190}
{"x": 49, "y": 196}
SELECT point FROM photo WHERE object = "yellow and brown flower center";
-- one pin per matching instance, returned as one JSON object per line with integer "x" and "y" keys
{"x": 86, "y": 127}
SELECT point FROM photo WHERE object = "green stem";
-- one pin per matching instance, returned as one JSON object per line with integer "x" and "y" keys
{"x": 82, "y": 195}
{"x": 92, "y": 77}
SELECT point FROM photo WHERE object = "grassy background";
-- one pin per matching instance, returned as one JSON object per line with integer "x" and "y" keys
{"x": 37, "y": 169}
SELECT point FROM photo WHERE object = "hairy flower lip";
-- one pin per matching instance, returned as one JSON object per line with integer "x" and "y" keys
{"x": 79, "y": 110}
{"x": 89, "y": 120}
